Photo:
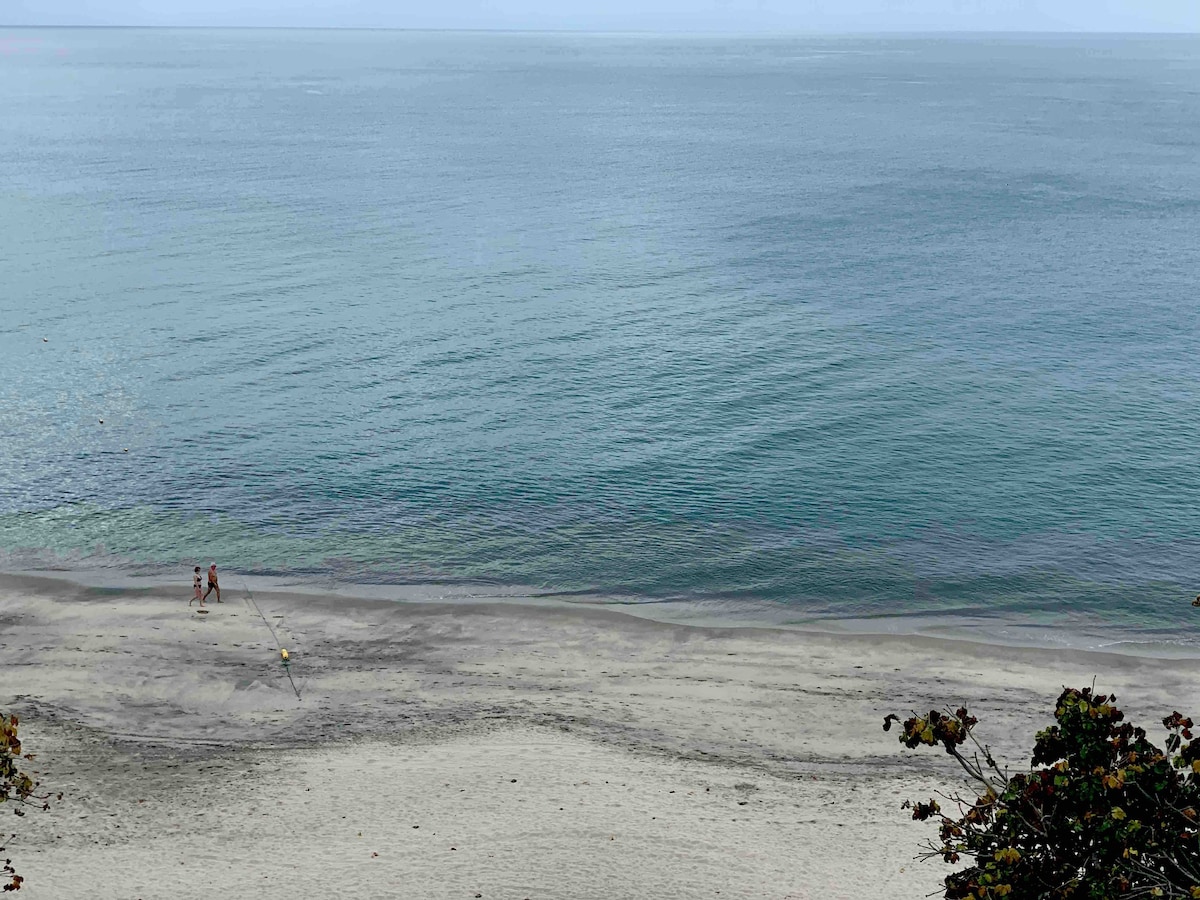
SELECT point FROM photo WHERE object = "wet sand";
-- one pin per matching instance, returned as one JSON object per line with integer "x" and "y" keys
{"x": 501, "y": 750}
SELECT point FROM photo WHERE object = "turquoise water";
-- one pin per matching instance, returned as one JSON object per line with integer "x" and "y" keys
{"x": 851, "y": 327}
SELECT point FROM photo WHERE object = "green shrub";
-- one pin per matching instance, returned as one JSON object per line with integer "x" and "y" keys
{"x": 1102, "y": 813}
{"x": 17, "y": 788}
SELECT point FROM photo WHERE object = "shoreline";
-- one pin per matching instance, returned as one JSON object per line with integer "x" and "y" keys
{"x": 316, "y": 625}
{"x": 545, "y": 750}
{"x": 973, "y": 629}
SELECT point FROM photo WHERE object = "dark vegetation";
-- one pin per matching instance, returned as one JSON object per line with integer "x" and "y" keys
{"x": 1102, "y": 813}
{"x": 17, "y": 788}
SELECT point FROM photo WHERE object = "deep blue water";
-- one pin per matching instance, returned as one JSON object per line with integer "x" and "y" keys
{"x": 855, "y": 326}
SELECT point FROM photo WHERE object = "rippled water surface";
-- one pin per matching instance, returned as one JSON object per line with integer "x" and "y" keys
{"x": 850, "y": 327}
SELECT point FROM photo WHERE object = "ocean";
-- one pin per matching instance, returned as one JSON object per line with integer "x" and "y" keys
{"x": 894, "y": 333}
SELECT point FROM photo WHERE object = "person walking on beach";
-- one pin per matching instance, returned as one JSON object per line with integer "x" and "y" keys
{"x": 196, "y": 587}
{"x": 212, "y": 584}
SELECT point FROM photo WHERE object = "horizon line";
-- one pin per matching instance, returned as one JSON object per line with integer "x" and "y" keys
{"x": 864, "y": 32}
{"x": 631, "y": 31}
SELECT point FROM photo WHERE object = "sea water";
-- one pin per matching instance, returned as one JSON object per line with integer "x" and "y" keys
{"x": 811, "y": 328}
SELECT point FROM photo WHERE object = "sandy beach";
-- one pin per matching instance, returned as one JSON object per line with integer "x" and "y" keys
{"x": 491, "y": 750}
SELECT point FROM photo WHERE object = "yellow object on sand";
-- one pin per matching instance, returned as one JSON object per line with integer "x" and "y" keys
{"x": 284, "y": 654}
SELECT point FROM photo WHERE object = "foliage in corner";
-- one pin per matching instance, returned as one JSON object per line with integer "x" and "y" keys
{"x": 1101, "y": 814}
{"x": 17, "y": 788}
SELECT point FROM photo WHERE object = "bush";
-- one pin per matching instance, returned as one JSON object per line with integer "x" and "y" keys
{"x": 1102, "y": 812}
{"x": 17, "y": 788}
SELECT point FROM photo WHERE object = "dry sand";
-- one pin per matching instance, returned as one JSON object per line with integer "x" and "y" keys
{"x": 502, "y": 751}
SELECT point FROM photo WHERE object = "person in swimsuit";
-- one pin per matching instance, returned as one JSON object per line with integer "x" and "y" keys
{"x": 196, "y": 587}
{"x": 212, "y": 584}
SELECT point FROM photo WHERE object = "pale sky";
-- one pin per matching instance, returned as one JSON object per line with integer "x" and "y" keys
{"x": 626, "y": 15}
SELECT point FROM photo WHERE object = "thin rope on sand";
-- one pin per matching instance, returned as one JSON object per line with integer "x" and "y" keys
{"x": 278, "y": 645}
